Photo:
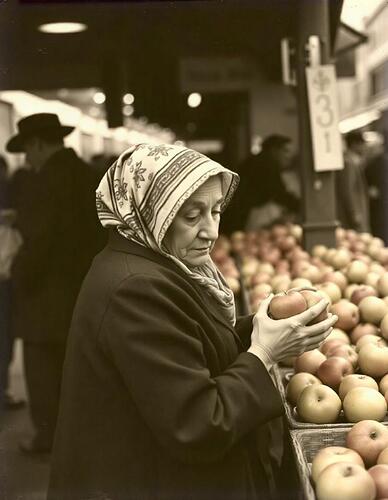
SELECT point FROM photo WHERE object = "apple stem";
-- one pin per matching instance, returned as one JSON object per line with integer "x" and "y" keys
{"x": 348, "y": 471}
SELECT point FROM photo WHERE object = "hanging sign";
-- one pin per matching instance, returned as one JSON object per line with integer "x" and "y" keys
{"x": 323, "y": 106}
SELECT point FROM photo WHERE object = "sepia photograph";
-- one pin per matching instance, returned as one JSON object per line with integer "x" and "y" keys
{"x": 193, "y": 249}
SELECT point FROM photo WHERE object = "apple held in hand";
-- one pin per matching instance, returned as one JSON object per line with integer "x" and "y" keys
{"x": 297, "y": 383}
{"x": 356, "y": 380}
{"x": 373, "y": 360}
{"x": 333, "y": 370}
{"x": 345, "y": 481}
{"x": 318, "y": 404}
{"x": 379, "y": 475}
{"x": 309, "y": 361}
{"x": 331, "y": 455}
{"x": 286, "y": 305}
{"x": 364, "y": 403}
{"x": 368, "y": 438}
{"x": 311, "y": 299}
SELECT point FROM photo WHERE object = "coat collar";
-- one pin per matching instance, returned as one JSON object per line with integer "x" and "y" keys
{"x": 121, "y": 244}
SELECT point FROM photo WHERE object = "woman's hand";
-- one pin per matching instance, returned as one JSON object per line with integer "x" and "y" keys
{"x": 273, "y": 340}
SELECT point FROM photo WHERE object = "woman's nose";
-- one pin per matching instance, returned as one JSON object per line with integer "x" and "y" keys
{"x": 209, "y": 230}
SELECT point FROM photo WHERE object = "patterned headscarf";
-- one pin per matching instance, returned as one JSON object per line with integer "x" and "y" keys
{"x": 142, "y": 192}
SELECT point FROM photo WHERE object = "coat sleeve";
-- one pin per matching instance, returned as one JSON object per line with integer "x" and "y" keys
{"x": 244, "y": 327}
{"x": 157, "y": 348}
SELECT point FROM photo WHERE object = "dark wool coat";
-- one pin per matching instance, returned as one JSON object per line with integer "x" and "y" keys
{"x": 58, "y": 222}
{"x": 159, "y": 399}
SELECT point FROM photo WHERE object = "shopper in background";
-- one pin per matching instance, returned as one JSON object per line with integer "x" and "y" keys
{"x": 57, "y": 221}
{"x": 377, "y": 180}
{"x": 263, "y": 198}
{"x": 166, "y": 394}
{"x": 9, "y": 245}
{"x": 351, "y": 186}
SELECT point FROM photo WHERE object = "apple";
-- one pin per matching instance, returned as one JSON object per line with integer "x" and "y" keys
{"x": 333, "y": 370}
{"x": 348, "y": 315}
{"x": 372, "y": 310}
{"x": 368, "y": 438}
{"x": 287, "y": 304}
{"x": 267, "y": 268}
{"x": 379, "y": 475}
{"x": 329, "y": 344}
{"x": 319, "y": 251}
{"x": 369, "y": 339}
{"x": 332, "y": 290}
{"x": 362, "y": 329}
{"x": 312, "y": 273}
{"x": 311, "y": 299}
{"x": 364, "y": 403}
{"x": 384, "y": 326}
{"x": 383, "y": 384}
{"x": 300, "y": 283}
{"x": 362, "y": 292}
{"x": 375, "y": 267}
{"x": 338, "y": 334}
{"x": 309, "y": 361}
{"x": 336, "y": 277}
{"x": 318, "y": 404}
{"x": 356, "y": 271}
{"x": 280, "y": 283}
{"x": 373, "y": 360}
{"x": 233, "y": 284}
{"x": 330, "y": 455}
{"x": 349, "y": 290}
{"x": 297, "y": 383}
{"x": 372, "y": 279}
{"x": 344, "y": 351}
{"x": 356, "y": 380}
{"x": 383, "y": 457}
{"x": 341, "y": 258}
{"x": 345, "y": 481}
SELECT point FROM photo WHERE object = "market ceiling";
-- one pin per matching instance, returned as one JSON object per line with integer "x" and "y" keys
{"x": 147, "y": 39}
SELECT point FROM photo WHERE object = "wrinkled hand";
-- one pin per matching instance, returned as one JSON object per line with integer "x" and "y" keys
{"x": 273, "y": 340}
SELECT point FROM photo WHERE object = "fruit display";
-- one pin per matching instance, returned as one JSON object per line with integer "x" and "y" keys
{"x": 355, "y": 470}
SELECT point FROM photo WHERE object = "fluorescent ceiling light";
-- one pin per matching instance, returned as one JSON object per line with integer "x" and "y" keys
{"x": 62, "y": 28}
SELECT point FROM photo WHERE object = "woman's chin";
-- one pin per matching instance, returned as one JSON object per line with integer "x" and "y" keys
{"x": 198, "y": 260}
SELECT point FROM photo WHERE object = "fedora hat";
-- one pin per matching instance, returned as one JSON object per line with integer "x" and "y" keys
{"x": 34, "y": 125}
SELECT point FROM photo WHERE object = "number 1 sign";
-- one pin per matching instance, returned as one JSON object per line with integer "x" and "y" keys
{"x": 323, "y": 106}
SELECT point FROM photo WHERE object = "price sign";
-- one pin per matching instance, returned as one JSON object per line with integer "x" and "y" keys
{"x": 323, "y": 106}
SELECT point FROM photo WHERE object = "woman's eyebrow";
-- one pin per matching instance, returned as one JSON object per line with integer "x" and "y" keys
{"x": 200, "y": 204}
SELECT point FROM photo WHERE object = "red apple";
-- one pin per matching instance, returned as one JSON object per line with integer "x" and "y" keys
{"x": 368, "y": 438}
{"x": 345, "y": 481}
{"x": 373, "y": 360}
{"x": 361, "y": 292}
{"x": 311, "y": 299}
{"x": 330, "y": 455}
{"x": 356, "y": 380}
{"x": 318, "y": 404}
{"x": 333, "y": 370}
{"x": 379, "y": 474}
{"x": 362, "y": 329}
{"x": 344, "y": 351}
{"x": 348, "y": 315}
{"x": 329, "y": 344}
{"x": 364, "y": 403}
{"x": 297, "y": 383}
{"x": 309, "y": 361}
{"x": 287, "y": 304}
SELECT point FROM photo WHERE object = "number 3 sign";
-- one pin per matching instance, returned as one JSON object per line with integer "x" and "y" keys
{"x": 323, "y": 106}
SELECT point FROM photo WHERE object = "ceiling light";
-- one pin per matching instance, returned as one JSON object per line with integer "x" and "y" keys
{"x": 194, "y": 100}
{"x": 62, "y": 28}
{"x": 99, "y": 97}
{"x": 128, "y": 98}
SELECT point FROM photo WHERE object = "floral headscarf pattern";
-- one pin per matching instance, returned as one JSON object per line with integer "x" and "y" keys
{"x": 142, "y": 192}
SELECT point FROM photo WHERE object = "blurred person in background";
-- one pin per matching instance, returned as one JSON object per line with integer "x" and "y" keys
{"x": 166, "y": 394}
{"x": 376, "y": 173}
{"x": 7, "y": 217}
{"x": 57, "y": 220}
{"x": 263, "y": 198}
{"x": 351, "y": 186}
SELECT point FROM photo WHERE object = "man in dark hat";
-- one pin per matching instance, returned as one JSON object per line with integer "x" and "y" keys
{"x": 58, "y": 222}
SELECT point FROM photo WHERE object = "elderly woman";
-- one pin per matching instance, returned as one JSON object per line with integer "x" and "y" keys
{"x": 166, "y": 395}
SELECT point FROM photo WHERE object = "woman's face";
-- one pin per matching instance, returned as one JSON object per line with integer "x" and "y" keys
{"x": 194, "y": 230}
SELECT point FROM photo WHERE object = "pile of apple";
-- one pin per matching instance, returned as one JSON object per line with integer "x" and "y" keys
{"x": 221, "y": 256}
{"x": 356, "y": 471}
